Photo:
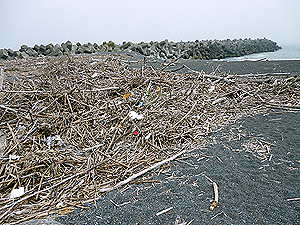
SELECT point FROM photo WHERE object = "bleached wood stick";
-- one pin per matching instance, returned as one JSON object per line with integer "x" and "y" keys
{"x": 185, "y": 115}
{"x": 142, "y": 172}
{"x": 164, "y": 211}
{"x": 1, "y": 78}
{"x": 216, "y": 202}
{"x": 169, "y": 64}
{"x": 262, "y": 74}
{"x": 210, "y": 76}
{"x": 103, "y": 89}
{"x": 7, "y": 108}
{"x": 6, "y": 91}
{"x": 293, "y": 199}
{"x": 286, "y": 106}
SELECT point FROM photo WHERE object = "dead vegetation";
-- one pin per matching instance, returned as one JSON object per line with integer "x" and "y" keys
{"x": 75, "y": 127}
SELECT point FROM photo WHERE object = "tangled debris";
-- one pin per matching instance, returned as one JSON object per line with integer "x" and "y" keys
{"x": 75, "y": 126}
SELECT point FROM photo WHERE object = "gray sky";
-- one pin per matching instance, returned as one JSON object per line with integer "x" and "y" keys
{"x": 43, "y": 21}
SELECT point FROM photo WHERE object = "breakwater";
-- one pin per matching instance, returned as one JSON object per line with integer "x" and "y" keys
{"x": 206, "y": 49}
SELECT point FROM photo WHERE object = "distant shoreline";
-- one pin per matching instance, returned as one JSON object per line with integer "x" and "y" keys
{"x": 288, "y": 52}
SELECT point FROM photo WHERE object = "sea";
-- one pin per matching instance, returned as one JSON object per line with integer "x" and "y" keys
{"x": 288, "y": 52}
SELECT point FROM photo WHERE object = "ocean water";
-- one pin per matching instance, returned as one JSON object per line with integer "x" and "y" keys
{"x": 288, "y": 52}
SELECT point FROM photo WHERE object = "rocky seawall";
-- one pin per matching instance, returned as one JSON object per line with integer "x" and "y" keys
{"x": 206, "y": 49}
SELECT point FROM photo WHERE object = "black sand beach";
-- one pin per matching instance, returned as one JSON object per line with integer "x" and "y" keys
{"x": 246, "y": 67}
{"x": 233, "y": 67}
{"x": 251, "y": 190}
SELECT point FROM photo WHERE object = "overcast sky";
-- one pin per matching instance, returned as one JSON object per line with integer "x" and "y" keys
{"x": 43, "y": 21}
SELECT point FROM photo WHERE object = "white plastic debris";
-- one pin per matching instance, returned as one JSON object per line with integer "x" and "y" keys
{"x": 95, "y": 75}
{"x": 218, "y": 100}
{"x": 148, "y": 136}
{"x": 59, "y": 205}
{"x": 93, "y": 63}
{"x": 211, "y": 89}
{"x": 15, "y": 193}
{"x": 134, "y": 115}
{"x": 19, "y": 212}
{"x": 14, "y": 157}
{"x": 54, "y": 138}
{"x": 22, "y": 128}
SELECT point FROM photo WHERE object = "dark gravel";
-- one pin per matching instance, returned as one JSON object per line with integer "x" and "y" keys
{"x": 246, "y": 67}
{"x": 233, "y": 67}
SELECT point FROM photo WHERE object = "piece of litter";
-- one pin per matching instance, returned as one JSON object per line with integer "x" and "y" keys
{"x": 15, "y": 193}
{"x": 218, "y": 100}
{"x": 95, "y": 75}
{"x": 148, "y": 136}
{"x": 59, "y": 205}
{"x": 51, "y": 139}
{"x": 127, "y": 95}
{"x": 211, "y": 89}
{"x": 164, "y": 211}
{"x": 14, "y": 157}
{"x": 179, "y": 221}
{"x": 134, "y": 115}
{"x": 22, "y": 128}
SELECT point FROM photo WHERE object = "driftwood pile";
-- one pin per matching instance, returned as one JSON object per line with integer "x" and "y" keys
{"x": 75, "y": 127}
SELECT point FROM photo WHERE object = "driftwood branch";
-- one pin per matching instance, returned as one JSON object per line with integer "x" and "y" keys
{"x": 1, "y": 78}
{"x": 286, "y": 107}
{"x": 185, "y": 115}
{"x": 142, "y": 172}
{"x": 262, "y": 75}
{"x": 210, "y": 76}
{"x": 216, "y": 201}
{"x": 293, "y": 199}
{"x": 172, "y": 62}
{"x": 103, "y": 89}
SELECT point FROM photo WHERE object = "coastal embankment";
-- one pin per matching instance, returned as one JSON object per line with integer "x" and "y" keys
{"x": 205, "y": 49}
